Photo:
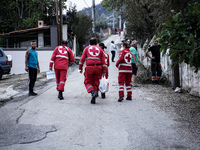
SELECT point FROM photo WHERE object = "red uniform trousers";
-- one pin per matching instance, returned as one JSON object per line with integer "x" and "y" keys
{"x": 61, "y": 77}
{"x": 125, "y": 78}
{"x": 92, "y": 76}
{"x": 106, "y": 73}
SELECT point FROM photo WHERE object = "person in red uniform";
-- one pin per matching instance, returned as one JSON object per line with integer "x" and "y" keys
{"x": 102, "y": 46}
{"x": 120, "y": 30}
{"x": 125, "y": 72}
{"x": 61, "y": 57}
{"x": 95, "y": 67}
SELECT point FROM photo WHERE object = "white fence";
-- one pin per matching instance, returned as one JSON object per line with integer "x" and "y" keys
{"x": 189, "y": 80}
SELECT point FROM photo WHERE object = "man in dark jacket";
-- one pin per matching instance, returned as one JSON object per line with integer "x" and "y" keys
{"x": 155, "y": 61}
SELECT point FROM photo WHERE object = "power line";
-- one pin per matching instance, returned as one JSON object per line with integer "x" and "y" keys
{"x": 86, "y": 3}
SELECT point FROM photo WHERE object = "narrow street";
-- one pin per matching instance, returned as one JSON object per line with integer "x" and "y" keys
{"x": 153, "y": 120}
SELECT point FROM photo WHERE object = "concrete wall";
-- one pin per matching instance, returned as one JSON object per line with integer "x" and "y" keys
{"x": 18, "y": 60}
{"x": 64, "y": 29}
{"x": 53, "y": 34}
{"x": 189, "y": 80}
{"x": 40, "y": 40}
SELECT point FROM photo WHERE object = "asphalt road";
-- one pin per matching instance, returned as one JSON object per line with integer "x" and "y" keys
{"x": 46, "y": 123}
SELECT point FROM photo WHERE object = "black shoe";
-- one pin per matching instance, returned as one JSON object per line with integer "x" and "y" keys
{"x": 97, "y": 94}
{"x": 129, "y": 98}
{"x": 154, "y": 82}
{"x": 32, "y": 94}
{"x": 120, "y": 99}
{"x": 94, "y": 95}
{"x": 103, "y": 95}
{"x": 60, "y": 95}
{"x": 93, "y": 100}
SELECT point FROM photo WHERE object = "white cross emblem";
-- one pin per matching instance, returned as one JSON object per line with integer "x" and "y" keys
{"x": 94, "y": 51}
{"x": 128, "y": 58}
{"x": 62, "y": 50}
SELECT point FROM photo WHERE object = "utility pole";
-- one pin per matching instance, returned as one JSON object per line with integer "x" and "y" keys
{"x": 113, "y": 19}
{"x": 93, "y": 16}
{"x": 120, "y": 21}
{"x": 59, "y": 21}
{"x": 120, "y": 24}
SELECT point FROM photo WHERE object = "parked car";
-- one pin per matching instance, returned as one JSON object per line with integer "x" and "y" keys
{"x": 5, "y": 63}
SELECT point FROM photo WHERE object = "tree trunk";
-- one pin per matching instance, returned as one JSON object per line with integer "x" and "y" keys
{"x": 176, "y": 76}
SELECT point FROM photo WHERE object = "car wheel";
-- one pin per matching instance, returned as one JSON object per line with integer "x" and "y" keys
{"x": 1, "y": 74}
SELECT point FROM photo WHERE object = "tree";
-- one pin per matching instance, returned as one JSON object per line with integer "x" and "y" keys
{"x": 114, "y": 4}
{"x": 83, "y": 29}
{"x": 23, "y": 14}
{"x": 141, "y": 24}
{"x": 145, "y": 18}
{"x": 181, "y": 35}
{"x": 137, "y": 14}
{"x": 72, "y": 19}
{"x": 162, "y": 10}
{"x": 80, "y": 25}
{"x": 101, "y": 22}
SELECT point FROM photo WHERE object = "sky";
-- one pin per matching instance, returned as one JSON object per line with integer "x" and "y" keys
{"x": 80, "y": 4}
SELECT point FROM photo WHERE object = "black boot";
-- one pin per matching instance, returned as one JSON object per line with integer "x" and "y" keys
{"x": 60, "y": 95}
{"x": 154, "y": 82}
{"x": 94, "y": 95}
{"x": 103, "y": 95}
{"x": 120, "y": 99}
{"x": 129, "y": 98}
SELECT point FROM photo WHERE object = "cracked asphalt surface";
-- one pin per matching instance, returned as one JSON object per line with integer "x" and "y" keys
{"x": 157, "y": 118}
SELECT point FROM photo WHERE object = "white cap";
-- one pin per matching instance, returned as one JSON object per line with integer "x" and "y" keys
{"x": 133, "y": 42}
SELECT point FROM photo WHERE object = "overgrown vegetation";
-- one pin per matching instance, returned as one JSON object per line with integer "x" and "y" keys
{"x": 176, "y": 23}
{"x": 80, "y": 25}
{"x": 23, "y": 14}
{"x": 181, "y": 35}
{"x": 101, "y": 22}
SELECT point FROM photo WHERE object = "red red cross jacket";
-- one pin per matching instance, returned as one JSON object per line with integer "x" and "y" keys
{"x": 94, "y": 56}
{"x": 106, "y": 58}
{"x": 60, "y": 58}
{"x": 124, "y": 62}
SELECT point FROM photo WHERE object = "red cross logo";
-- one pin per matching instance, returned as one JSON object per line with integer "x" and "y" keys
{"x": 94, "y": 51}
{"x": 128, "y": 58}
{"x": 62, "y": 50}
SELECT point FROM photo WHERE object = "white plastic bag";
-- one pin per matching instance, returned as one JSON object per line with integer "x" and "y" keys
{"x": 104, "y": 85}
{"x": 50, "y": 74}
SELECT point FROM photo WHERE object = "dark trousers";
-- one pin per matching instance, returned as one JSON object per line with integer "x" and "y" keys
{"x": 113, "y": 55}
{"x": 32, "y": 72}
{"x": 156, "y": 70}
